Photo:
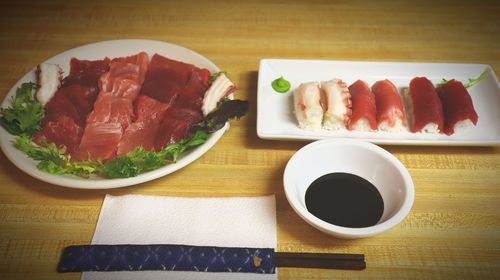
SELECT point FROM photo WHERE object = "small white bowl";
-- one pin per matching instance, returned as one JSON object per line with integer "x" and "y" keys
{"x": 360, "y": 158}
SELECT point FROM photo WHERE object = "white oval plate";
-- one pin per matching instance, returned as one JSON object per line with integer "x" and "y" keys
{"x": 111, "y": 49}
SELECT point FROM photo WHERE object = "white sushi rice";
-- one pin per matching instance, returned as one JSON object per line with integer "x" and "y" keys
{"x": 362, "y": 125}
{"x": 462, "y": 126}
{"x": 430, "y": 128}
{"x": 398, "y": 126}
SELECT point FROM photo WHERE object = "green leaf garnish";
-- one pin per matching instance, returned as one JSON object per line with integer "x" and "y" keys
{"x": 25, "y": 114}
{"x": 471, "y": 81}
{"x": 52, "y": 159}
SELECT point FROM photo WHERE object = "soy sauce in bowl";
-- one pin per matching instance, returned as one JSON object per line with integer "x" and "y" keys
{"x": 344, "y": 199}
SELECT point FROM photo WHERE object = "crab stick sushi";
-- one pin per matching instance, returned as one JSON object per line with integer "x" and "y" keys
{"x": 425, "y": 111}
{"x": 457, "y": 107}
{"x": 364, "y": 110}
{"x": 390, "y": 110}
{"x": 337, "y": 103}
{"x": 307, "y": 105}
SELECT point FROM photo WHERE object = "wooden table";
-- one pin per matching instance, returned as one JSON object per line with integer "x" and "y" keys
{"x": 453, "y": 230}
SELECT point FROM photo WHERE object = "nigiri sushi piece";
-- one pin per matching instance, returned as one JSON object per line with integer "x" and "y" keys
{"x": 458, "y": 108}
{"x": 390, "y": 109}
{"x": 307, "y": 105}
{"x": 337, "y": 102}
{"x": 364, "y": 110}
{"x": 425, "y": 111}
{"x": 49, "y": 78}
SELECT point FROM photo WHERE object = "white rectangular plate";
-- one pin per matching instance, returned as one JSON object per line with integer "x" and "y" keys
{"x": 276, "y": 119}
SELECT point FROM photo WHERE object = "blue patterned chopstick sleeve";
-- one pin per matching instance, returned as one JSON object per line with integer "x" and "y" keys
{"x": 166, "y": 257}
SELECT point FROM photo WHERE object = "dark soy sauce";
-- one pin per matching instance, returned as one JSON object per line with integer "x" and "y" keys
{"x": 345, "y": 199}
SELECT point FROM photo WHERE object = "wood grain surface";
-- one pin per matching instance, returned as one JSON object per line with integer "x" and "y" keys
{"x": 453, "y": 230}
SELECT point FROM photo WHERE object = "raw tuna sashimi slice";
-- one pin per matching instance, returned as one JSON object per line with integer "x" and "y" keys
{"x": 175, "y": 126}
{"x": 175, "y": 82}
{"x": 364, "y": 110}
{"x": 458, "y": 108}
{"x": 99, "y": 141}
{"x": 425, "y": 111}
{"x": 113, "y": 108}
{"x": 390, "y": 109}
{"x": 191, "y": 95}
{"x": 142, "y": 133}
{"x": 86, "y": 72}
{"x": 67, "y": 110}
{"x": 61, "y": 131}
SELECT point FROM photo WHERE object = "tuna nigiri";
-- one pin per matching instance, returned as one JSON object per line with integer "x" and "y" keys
{"x": 458, "y": 108}
{"x": 425, "y": 111}
{"x": 337, "y": 101}
{"x": 390, "y": 110}
{"x": 364, "y": 108}
{"x": 307, "y": 104}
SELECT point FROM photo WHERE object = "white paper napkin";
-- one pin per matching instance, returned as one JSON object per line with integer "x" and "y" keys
{"x": 224, "y": 222}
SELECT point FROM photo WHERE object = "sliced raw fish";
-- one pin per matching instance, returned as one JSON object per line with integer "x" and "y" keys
{"x": 142, "y": 132}
{"x": 458, "y": 108}
{"x": 175, "y": 126}
{"x": 171, "y": 81}
{"x": 113, "y": 109}
{"x": 364, "y": 110}
{"x": 425, "y": 111}
{"x": 99, "y": 141}
{"x": 86, "y": 72}
{"x": 67, "y": 110}
{"x": 61, "y": 131}
{"x": 390, "y": 109}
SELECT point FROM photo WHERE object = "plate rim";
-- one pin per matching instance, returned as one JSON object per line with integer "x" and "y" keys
{"x": 19, "y": 158}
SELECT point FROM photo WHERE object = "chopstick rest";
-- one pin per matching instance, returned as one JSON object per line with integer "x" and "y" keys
{"x": 196, "y": 258}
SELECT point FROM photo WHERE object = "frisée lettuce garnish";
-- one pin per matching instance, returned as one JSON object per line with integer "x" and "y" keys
{"x": 25, "y": 114}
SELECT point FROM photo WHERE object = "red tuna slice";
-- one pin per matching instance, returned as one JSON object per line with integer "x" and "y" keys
{"x": 99, "y": 141}
{"x": 425, "y": 105}
{"x": 113, "y": 109}
{"x": 191, "y": 96}
{"x": 173, "y": 69}
{"x": 363, "y": 106}
{"x": 142, "y": 132}
{"x": 61, "y": 131}
{"x": 175, "y": 126}
{"x": 125, "y": 76}
{"x": 389, "y": 104}
{"x": 163, "y": 90}
{"x": 75, "y": 101}
{"x": 457, "y": 105}
{"x": 86, "y": 72}
{"x": 66, "y": 112}
{"x": 168, "y": 80}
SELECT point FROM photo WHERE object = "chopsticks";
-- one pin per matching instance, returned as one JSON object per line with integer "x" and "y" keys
{"x": 320, "y": 260}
